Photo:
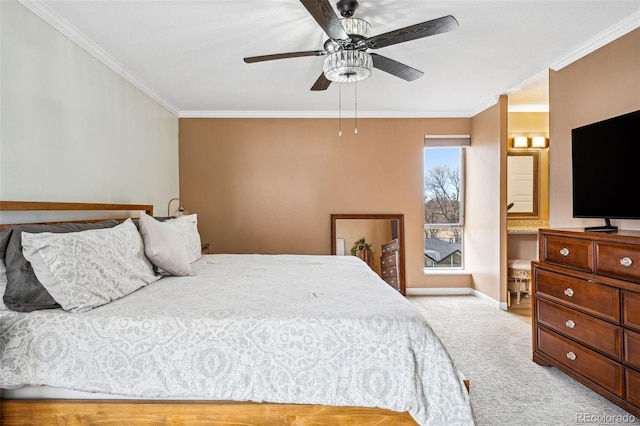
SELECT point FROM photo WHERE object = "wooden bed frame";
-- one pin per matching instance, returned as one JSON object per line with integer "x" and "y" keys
{"x": 14, "y": 412}
{"x": 42, "y": 206}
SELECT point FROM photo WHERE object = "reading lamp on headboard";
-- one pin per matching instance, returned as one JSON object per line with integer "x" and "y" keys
{"x": 181, "y": 210}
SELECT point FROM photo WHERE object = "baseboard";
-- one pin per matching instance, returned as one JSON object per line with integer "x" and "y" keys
{"x": 486, "y": 299}
{"x": 455, "y": 291}
{"x": 424, "y": 291}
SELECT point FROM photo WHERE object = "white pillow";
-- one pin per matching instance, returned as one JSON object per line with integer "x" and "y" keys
{"x": 163, "y": 246}
{"x": 3, "y": 283}
{"x": 86, "y": 269}
{"x": 187, "y": 228}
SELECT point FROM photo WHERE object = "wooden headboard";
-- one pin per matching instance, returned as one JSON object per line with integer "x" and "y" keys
{"x": 24, "y": 206}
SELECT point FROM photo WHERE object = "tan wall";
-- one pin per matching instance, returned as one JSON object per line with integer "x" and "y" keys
{"x": 604, "y": 84}
{"x": 486, "y": 210}
{"x": 270, "y": 185}
{"x": 447, "y": 280}
{"x": 528, "y": 124}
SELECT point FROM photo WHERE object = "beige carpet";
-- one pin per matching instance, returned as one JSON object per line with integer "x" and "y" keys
{"x": 492, "y": 348}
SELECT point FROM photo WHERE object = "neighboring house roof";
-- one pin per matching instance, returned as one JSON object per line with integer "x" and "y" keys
{"x": 438, "y": 250}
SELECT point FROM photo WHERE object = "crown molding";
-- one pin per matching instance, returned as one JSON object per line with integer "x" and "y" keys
{"x": 334, "y": 114}
{"x": 41, "y": 9}
{"x": 324, "y": 114}
{"x": 618, "y": 30}
{"x": 486, "y": 104}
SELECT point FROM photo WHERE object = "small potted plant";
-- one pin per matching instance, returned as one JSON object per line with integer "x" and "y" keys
{"x": 362, "y": 249}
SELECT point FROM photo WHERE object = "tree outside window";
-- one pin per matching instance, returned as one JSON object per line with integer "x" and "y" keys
{"x": 442, "y": 207}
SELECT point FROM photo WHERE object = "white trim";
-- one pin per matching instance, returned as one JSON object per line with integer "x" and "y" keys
{"x": 618, "y": 30}
{"x": 324, "y": 114}
{"x": 485, "y": 298}
{"x": 445, "y": 291}
{"x": 483, "y": 106}
{"x": 41, "y": 9}
{"x": 455, "y": 291}
{"x": 448, "y": 141}
{"x": 445, "y": 271}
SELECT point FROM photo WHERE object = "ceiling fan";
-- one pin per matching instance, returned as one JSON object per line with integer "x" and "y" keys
{"x": 347, "y": 59}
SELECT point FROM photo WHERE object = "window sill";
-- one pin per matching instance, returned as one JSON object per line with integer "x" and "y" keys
{"x": 448, "y": 271}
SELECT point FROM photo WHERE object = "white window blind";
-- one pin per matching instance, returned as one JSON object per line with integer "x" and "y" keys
{"x": 438, "y": 141}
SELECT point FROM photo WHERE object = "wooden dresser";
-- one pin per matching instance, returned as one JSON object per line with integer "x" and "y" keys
{"x": 586, "y": 316}
{"x": 390, "y": 264}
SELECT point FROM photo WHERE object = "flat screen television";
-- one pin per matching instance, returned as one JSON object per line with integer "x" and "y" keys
{"x": 606, "y": 170}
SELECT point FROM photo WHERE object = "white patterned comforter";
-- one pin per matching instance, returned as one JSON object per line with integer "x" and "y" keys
{"x": 273, "y": 328}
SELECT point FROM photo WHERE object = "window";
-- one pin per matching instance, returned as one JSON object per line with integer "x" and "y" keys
{"x": 443, "y": 206}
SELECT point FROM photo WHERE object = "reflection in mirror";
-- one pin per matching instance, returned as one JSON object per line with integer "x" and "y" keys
{"x": 522, "y": 184}
{"x": 377, "y": 239}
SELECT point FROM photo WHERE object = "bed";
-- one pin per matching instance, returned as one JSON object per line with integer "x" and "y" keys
{"x": 243, "y": 339}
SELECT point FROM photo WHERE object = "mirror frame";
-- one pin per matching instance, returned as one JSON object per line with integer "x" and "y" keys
{"x": 401, "y": 253}
{"x": 536, "y": 184}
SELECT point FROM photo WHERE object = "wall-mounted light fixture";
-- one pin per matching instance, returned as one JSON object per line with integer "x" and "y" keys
{"x": 539, "y": 142}
{"x": 181, "y": 211}
{"x": 521, "y": 142}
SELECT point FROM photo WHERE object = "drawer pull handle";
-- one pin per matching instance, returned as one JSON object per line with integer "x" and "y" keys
{"x": 571, "y": 356}
{"x": 569, "y": 292}
{"x": 564, "y": 252}
{"x": 625, "y": 261}
{"x": 570, "y": 324}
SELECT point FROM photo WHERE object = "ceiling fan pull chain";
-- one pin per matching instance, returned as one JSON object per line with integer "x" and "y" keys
{"x": 356, "y": 108}
{"x": 339, "y": 109}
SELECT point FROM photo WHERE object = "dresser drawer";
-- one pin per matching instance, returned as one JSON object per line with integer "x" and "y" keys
{"x": 631, "y": 355}
{"x": 631, "y": 309}
{"x": 390, "y": 247}
{"x": 389, "y": 272}
{"x": 618, "y": 260}
{"x": 393, "y": 282}
{"x": 574, "y": 253}
{"x": 590, "y": 331}
{"x": 588, "y": 363}
{"x": 632, "y": 386}
{"x": 388, "y": 260}
{"x": 596, "y": 299}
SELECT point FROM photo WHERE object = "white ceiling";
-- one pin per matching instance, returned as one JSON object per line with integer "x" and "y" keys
{"x": 188, "y": 55}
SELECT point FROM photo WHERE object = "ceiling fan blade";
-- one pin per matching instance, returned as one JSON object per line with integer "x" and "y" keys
{"x": 323, "y": 13}
{"x": 262, "y": 58}
{"x": 403, "y": 71}
{"x": 413, "y": 32}
{"x": 322, "y": 83}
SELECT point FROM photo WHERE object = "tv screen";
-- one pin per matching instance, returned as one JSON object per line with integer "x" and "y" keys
{"x": 606, "y": 168}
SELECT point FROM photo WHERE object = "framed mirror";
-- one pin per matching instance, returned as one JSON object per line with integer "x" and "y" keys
{"x": 522, "y": 184}
{"x": 377, "y": 239}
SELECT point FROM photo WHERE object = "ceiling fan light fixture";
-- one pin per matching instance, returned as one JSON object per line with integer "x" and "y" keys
{"x": 347, "y": 66}
{"x": 356, "y": 27}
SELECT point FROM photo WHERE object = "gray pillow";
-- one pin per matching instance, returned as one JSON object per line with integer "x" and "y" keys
{"x": 24, "y": 293}
{"x": 84, "y": 270}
